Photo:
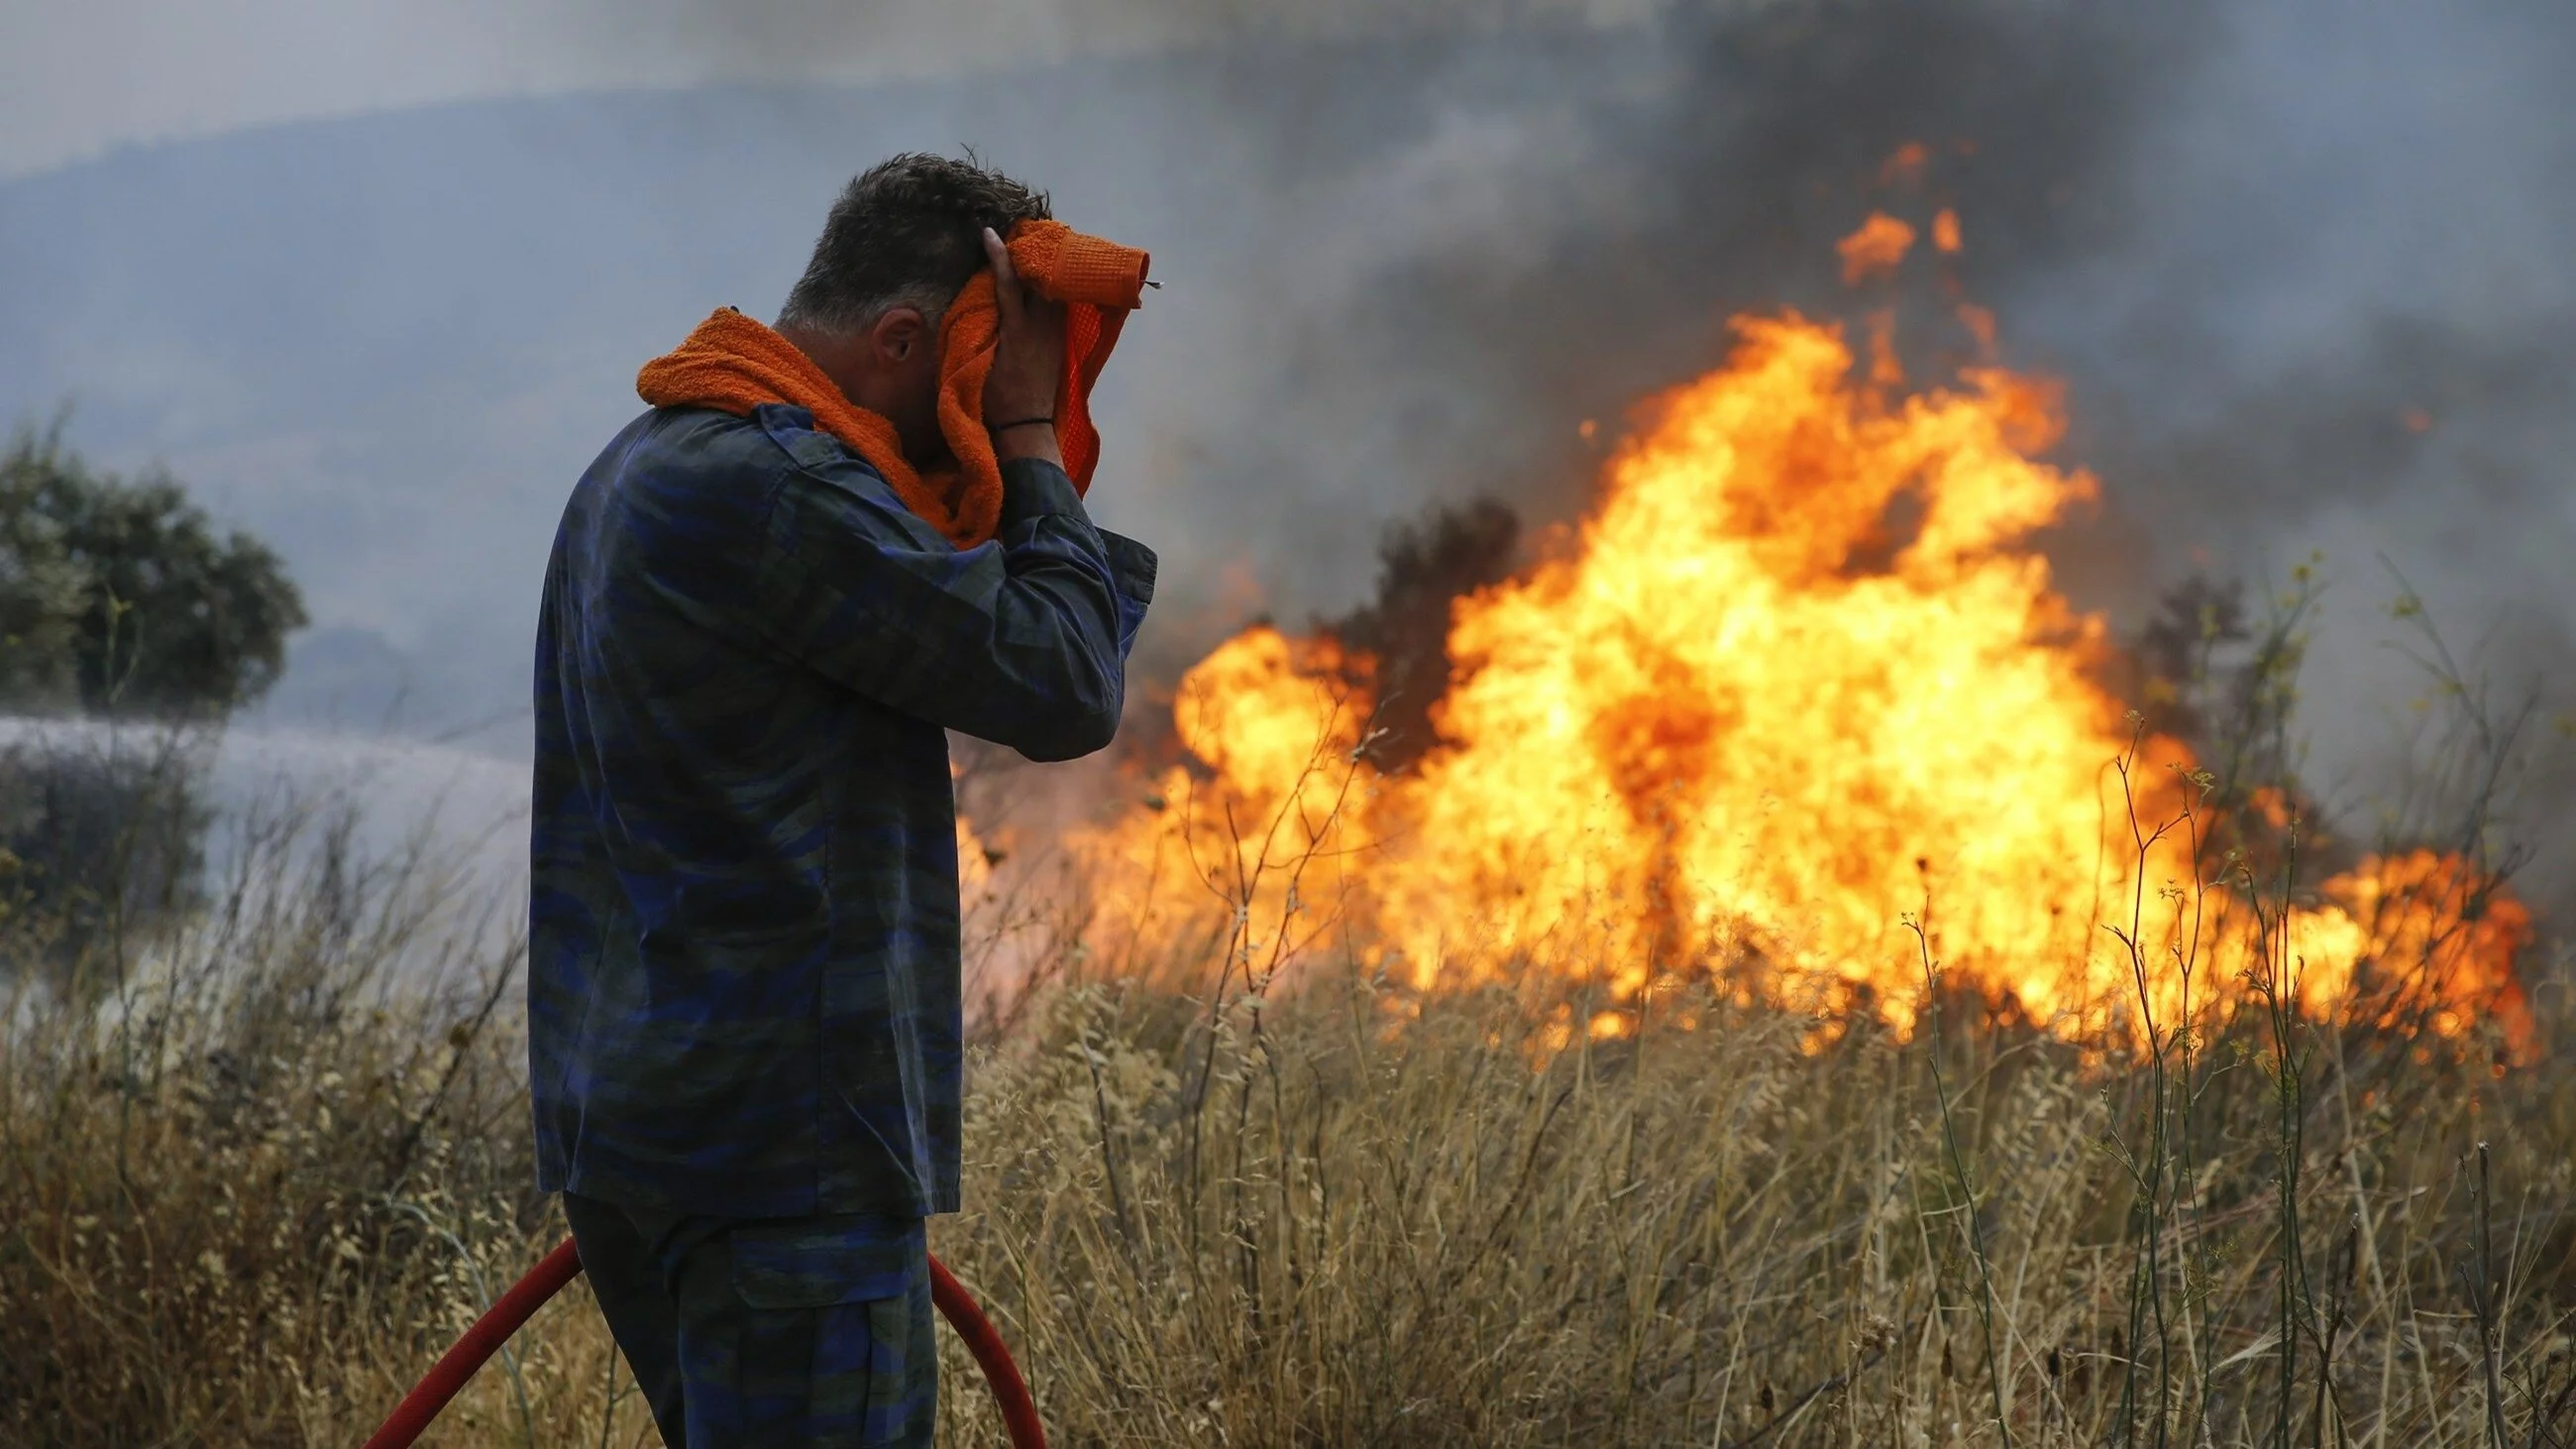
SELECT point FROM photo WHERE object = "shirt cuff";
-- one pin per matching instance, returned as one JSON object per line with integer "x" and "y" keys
{"x": 1132, "y": 565}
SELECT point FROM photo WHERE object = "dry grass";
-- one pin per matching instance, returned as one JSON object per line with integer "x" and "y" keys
{"x": 251, "y": 1182}
{"x": 1410, "y": 1235}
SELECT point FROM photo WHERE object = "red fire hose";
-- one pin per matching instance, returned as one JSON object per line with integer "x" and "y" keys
{"x": 561, "y": 1266}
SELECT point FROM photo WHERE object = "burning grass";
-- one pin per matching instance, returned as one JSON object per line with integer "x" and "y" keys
{"x": 1772, "y": 997}
{"x": 1798, "y": 678}
{"x": 251, "y": 1189}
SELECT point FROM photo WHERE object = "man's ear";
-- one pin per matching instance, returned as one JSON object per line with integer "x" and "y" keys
{"x": 897, "y": 334}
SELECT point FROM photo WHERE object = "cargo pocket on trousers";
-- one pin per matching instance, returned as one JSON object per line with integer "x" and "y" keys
{"x": 828, "y": 1332}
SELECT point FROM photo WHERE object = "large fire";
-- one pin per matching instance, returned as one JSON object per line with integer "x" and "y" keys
{"x": 1797, "y": 684}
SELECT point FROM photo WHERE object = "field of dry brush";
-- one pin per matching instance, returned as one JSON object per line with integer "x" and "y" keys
{"x": 254, "y": 1176}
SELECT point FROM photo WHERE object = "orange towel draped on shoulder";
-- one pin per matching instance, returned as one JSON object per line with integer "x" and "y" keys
{"x": 733, "y": 363}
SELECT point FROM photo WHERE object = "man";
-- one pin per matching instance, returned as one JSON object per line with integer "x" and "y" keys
{"x": 743, "y": 981}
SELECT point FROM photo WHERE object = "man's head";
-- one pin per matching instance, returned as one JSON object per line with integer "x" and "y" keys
{"x": 898, "y": 244}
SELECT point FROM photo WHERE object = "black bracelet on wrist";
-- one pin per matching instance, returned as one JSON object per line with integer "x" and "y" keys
{"x": 1022, "y": 423}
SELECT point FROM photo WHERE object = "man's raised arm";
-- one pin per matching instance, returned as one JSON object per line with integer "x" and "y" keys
{"x": 1022, "y": 641}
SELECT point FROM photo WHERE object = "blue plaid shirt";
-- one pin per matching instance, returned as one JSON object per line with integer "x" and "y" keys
{"x": 743, "y": 921}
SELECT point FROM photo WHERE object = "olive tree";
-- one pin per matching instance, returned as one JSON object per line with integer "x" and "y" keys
{"x": 118, "y": 600}
{"x": 120, "y": 595}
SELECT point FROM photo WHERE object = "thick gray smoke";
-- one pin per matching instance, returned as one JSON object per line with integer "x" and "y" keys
{"x": 2303, "y": 266}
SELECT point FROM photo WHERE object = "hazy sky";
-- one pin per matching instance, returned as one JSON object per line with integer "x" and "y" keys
{"x": 76, "y": 78}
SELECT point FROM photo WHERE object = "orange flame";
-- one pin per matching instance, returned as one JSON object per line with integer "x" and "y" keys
{"x": 1875, "y": 249}
{"x": 1904, "y": 165}
{"x": 1798, "y": 681}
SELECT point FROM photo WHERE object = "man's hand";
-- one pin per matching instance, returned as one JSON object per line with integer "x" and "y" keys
{"x": 1028, "y": 364}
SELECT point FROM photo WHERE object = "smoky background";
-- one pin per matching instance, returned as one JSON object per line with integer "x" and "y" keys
{"x": 2302, "y": 267}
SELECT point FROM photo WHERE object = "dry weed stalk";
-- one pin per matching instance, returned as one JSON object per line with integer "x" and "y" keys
{"x": 1243, "y": 1190}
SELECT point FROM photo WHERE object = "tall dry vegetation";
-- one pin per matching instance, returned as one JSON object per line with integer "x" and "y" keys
{"x": 257, "y": 1170}
{"x": 1226, "y": 1196}
{"x": 240, "y": 1160}
{"x": 1456, "y": 1231}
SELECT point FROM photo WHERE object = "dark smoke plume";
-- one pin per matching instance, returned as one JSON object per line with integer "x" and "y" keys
{"x": 2210, "y": 220}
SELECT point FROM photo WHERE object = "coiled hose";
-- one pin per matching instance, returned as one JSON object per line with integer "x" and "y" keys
{"x": 503, "y": 1318}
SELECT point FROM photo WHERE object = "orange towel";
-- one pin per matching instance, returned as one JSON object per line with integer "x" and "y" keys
{"x": 735, "y": 364}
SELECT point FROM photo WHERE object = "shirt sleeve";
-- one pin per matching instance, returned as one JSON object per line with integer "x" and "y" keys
{"x": 1021, "y": 640}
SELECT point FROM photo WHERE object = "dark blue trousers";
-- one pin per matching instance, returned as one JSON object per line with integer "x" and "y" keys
{"x": 779, "y": 1333}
